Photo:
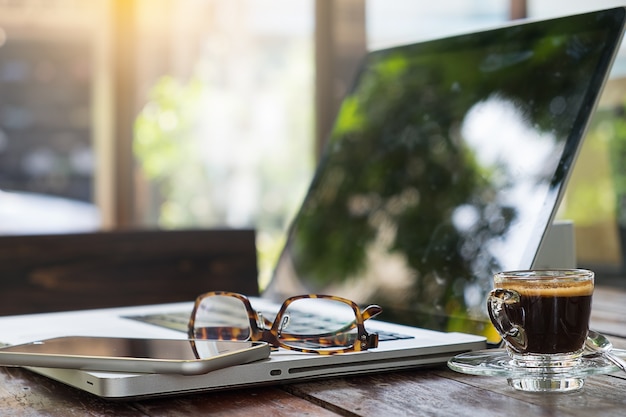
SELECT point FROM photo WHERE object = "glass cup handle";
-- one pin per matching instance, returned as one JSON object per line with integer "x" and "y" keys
{"x": 513, "y": 334}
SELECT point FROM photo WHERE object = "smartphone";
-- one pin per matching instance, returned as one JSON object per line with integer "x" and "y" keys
{"x": 168, "y": 356}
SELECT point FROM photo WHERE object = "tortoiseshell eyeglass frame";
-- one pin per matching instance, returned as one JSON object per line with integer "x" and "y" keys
{"x": 271, "y": 334}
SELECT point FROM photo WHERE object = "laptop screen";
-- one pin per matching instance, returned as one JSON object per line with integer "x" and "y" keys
{"x": 446, "y": 164}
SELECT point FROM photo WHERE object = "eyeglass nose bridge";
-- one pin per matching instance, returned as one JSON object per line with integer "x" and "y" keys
{"x": 284, "y": 323}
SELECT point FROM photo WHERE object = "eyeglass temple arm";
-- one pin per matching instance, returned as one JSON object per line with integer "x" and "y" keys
{"x": 371, "y": 311}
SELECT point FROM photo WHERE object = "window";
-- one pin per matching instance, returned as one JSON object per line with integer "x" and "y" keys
{"x": 189, "y": 113}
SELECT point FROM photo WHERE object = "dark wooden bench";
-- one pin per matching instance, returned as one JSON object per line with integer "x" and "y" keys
{"x": 107, "y": 269}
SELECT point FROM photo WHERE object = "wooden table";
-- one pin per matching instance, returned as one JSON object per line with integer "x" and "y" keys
{"x": 423, "y": 392}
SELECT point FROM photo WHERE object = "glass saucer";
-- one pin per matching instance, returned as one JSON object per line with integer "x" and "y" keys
{"x": 496, "y": 362}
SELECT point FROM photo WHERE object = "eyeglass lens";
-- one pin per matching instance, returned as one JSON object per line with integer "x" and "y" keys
{"x": 314, "y": 323}
{"x": 222, "y": 317}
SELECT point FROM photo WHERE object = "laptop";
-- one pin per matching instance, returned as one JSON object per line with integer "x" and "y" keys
{"x": 446, "y": 164}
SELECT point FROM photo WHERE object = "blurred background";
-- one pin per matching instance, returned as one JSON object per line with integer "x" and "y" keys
{"x": 172, "y": 114}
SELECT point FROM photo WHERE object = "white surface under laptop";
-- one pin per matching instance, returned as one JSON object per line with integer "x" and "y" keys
{"x": 419, "y": 348}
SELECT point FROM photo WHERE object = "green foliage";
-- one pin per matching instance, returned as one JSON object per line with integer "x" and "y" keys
{"x": 164, "y": 138}
{"x": 168, "y": 149}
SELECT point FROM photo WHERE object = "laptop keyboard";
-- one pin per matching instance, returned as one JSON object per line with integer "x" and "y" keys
{"x": 179, "y": 321}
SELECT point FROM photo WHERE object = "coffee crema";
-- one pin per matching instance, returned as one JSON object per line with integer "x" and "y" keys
{"x": 549, "y": 288}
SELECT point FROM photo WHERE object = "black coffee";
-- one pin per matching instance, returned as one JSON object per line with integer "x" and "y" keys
{"x": 556, "y": 320}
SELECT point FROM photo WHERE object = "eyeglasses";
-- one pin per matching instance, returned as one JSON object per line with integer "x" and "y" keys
{"x": 321, "y": 324}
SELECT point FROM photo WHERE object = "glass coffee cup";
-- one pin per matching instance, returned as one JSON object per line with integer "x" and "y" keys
{"x": 542, "y": 316}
